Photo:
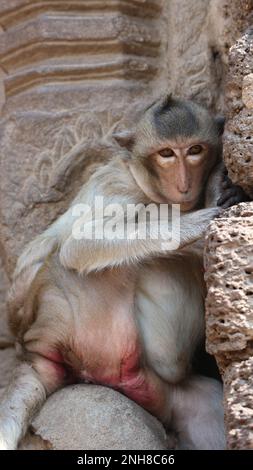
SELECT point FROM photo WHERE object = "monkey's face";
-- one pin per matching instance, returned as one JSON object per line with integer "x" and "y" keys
{"x": 174, "y": 148}
{"x": 180, "y": 170}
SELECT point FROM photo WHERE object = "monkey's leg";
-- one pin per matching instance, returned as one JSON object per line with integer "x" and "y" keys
{"x": 197, "y": 411}
{"x": 24, "y": 397}
{"x": 170, "y": 314}
{"x": 21, "y": 400}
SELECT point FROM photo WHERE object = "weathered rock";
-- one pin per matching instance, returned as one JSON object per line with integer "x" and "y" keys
{"x": 229, "y": 315}
{"x": 247, "y": 91}
{"x": 238, "y": 142}
{"x": 229, "y": 278}
{"x": 229, "y": 242}
{"x": 235, "y": 17}
{"x": 96, "y": 418}
{"x": 238, "y": 386}
{"x": 192, "y": 63}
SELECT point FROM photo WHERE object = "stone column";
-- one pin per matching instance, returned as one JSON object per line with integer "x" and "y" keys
{"x": 229, "y": 317}
{"x": 229, "y": 257}
{"x": 238, "y": 142}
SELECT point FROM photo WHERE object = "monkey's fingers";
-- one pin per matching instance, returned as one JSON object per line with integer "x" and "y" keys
{"x": 226, "y": 183}
{"x": 227, "y": 195}
{"x": 230, "y": 202}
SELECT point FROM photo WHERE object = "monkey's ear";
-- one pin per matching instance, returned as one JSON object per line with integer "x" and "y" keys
{"x": 125, "y": 138}
{"x": 220, "y": 121}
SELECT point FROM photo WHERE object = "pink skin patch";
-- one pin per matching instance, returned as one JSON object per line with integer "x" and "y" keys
{"x": 59, "y": 370}
{"x": 139, "y": 389}
{"x": 132, "y": 380}
{"x": 55, "y": 356}
{"x": 137, "y": 383}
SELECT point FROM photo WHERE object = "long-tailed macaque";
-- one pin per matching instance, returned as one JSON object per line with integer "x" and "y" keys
{"x": 126, "y": 312}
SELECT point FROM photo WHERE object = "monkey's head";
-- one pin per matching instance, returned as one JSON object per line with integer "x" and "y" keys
{"x": 173, "y": 149}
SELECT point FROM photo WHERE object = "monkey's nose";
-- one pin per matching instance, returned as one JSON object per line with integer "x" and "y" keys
{"x": 183, "y": 186}
{"x": 183, "y": 190}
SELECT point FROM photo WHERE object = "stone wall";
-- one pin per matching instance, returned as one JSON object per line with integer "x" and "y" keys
{"x": 238, "y": 144}
{"x": 229, "y": 316}
{"x": 229, "y": 256}
{"x": 70, "y": 72}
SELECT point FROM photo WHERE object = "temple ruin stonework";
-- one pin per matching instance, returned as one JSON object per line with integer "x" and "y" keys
{"x": 71, "y": 72}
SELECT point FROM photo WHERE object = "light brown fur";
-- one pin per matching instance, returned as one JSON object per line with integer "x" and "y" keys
{"x": 123, "y": 313}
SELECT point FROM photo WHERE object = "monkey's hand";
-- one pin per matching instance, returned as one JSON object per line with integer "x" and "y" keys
{"x": 231, "y": 193}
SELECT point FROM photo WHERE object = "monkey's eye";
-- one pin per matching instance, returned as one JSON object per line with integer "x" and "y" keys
{"x": 195, "y": 150}
{"x": 166, "y": 153}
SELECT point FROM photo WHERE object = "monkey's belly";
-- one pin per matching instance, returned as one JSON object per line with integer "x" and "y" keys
{"x": 90, "y": 334}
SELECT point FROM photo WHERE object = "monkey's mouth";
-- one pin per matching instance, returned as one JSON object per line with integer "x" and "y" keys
{"x": 186, "y": 203}
{"x": 184, "y": 199}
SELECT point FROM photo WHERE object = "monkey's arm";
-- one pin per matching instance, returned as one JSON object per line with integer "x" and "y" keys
{"x": 86, "y": 255}
{"x": 24, "y": 396}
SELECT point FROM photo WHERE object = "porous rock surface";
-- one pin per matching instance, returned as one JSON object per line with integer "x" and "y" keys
{"x": 229, "y": 316}
{"x": 229, "y": 245}
{"x": 90, "y": 417}
{"x": 238, "y": 386}
{"x": 238, "y": 141}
